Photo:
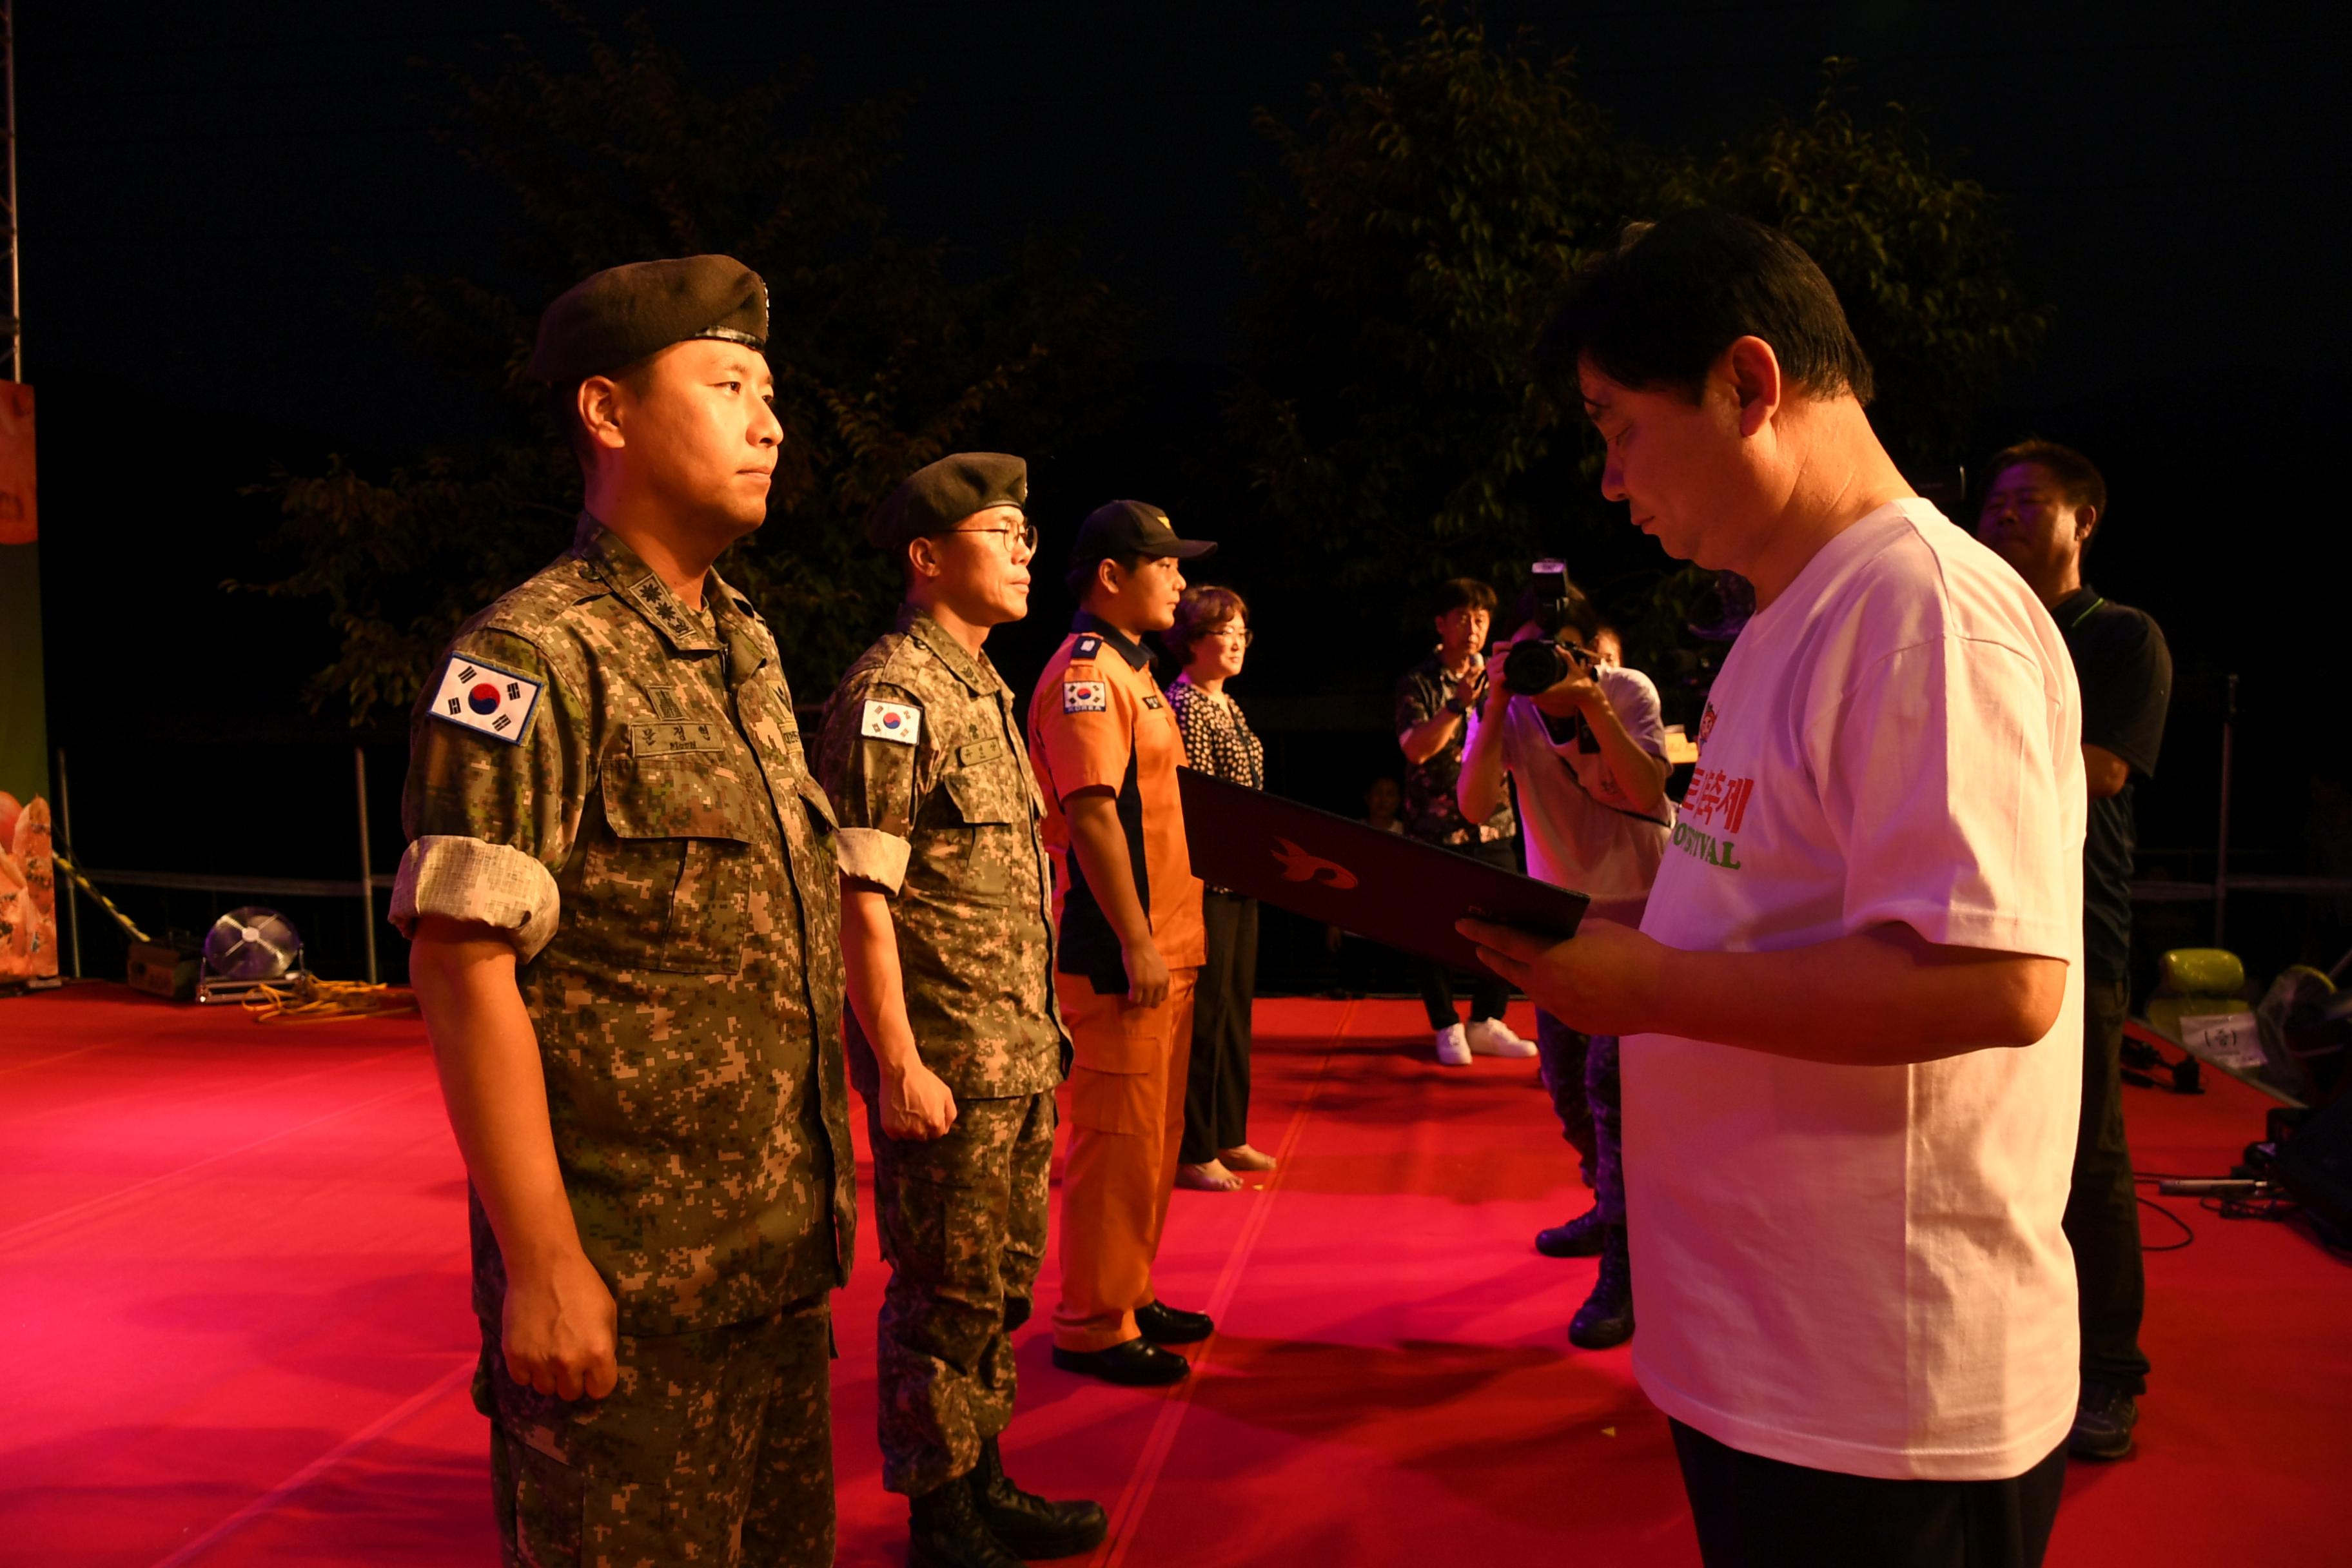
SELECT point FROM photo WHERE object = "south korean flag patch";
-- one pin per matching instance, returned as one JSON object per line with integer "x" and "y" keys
{"x": 891, "y": 721}
{"x": 476, "y": 695}
{"x": 1085, "y": 697}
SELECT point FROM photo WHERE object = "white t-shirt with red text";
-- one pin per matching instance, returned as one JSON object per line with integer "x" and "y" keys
{"x": 1860, "y": 1268}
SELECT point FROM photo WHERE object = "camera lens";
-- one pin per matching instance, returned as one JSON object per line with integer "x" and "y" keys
{"x": 1535, "y": 667}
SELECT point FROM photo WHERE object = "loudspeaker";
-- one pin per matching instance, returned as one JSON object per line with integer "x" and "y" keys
{"x": 2315, "y": 1166}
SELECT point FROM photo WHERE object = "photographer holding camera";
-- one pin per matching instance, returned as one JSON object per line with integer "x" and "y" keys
{"x": 1586, "y": 743}
{"x": 1434, "y": 701}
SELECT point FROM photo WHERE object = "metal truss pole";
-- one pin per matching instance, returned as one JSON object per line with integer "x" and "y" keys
{"x": 367, "y": 866}
{"x": 15, "y": 297}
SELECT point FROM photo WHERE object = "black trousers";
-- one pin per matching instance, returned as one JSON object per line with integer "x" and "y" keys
{"x": 1217, "y": 1083}
{"x": 1755, "y": 1512}
{"x": 1489, "y": 994}
{"x": 2103, "y": 1207}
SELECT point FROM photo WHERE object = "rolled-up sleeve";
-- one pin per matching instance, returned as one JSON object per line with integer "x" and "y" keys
{"x": 870, "y": 855}
{"x": 462, "y": 878}
{"x": 491, "y": 821}
{"x": 874, "y": 785}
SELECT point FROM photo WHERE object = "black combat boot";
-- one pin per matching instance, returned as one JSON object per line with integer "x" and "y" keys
{"x": 1606, "y": 1318}
{"x": 1579, "y": 1237}
{"x": 945, "y": 1532}
{"x": 1026, "y": 1524}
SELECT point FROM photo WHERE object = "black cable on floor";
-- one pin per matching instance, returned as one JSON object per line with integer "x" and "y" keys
{"x": 2186, "y": 1235}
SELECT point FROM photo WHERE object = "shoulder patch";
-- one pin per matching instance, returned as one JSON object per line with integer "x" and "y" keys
{"x": 891, "y": 721}
{"x": 477, "y": 695}
{"x": 1087, "y": 647}
{"x": 1085, "y": 697}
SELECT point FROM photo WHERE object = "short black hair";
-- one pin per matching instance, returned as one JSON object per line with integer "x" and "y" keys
{"x": 1660, "y": 306}
{"x": 563, "y": 407}
{"x": 2079, "y": 479}
{"x": 1080, "y": 578}
{"x": 1461, "y": 593}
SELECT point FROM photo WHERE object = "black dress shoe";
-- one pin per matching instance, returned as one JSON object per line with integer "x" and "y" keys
{"x": 1024, "y": 1523}
{"x": 1164, "y": 1325}
{"x": 945, "y": 1532}
{"x": 1137, "y": 1363}
{"x": 1579, "y": 1237}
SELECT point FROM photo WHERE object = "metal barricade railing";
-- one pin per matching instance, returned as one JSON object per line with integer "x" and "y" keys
{"x": 83, "y": 879}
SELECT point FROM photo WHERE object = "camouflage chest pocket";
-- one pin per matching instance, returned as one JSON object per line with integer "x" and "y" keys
{"x": 815, "y": 851}
{"x": 991, "y": 798}
{"x": 672, "y": 889}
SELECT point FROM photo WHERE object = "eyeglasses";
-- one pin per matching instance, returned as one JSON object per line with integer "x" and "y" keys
{"x": 1026, "y": 535}
{"x": 1230, "y": 634}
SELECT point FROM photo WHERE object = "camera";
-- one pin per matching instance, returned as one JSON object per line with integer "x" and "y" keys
{"x": 1534, "y": 668}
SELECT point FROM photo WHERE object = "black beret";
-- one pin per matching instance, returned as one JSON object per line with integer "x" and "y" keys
{"x": 622, "y": 314}
{"x": 1131, "y": 528}
{"x": 936, "y": 497}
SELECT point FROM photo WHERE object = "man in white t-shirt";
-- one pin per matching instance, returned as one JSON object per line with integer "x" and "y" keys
{"x": 1588, "y": 756}
{"x": 1853, "y": 1012}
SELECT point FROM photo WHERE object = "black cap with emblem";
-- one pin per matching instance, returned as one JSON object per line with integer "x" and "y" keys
{"x": 1130, "y": 527}
{"x": 937, "y": 497}
{"x": 623, "y": 314}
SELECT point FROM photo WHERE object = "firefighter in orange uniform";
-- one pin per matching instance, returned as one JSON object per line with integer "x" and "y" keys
{"x": 1106, "y": 749}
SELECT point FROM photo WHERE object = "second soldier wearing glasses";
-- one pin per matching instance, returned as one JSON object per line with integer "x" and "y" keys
{"x": 955, "y": 1039}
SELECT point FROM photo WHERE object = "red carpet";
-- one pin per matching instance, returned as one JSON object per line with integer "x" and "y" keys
{"x": 232, "y": 1263}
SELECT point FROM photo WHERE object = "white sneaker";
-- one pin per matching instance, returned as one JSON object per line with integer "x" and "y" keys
{"x": 1453, "y": 1046}
{"x": 1492, "y": 1037}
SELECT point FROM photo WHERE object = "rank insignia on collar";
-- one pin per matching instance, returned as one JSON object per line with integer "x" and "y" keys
{"x": 1085, "y": 697}
{"x": 476, "y": 695}
{"x": 1087, "y": 647}
{"x": 891, "y": 721}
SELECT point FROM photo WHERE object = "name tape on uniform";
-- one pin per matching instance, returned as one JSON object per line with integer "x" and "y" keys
{"x": 476, "y": 695}
{"x": 1085, "y": 697}
{"x": 891, "y": 721}
{"x": 665, "y": 740}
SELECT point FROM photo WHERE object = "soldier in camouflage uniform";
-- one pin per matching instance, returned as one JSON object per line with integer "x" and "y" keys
{"x": 955, "y": 1038}
{"x": 623, "y": 892}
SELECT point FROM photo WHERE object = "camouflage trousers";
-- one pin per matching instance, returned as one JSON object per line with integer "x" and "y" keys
{"x": 961, "y": 1221}
{"x": 716, "y": 1447}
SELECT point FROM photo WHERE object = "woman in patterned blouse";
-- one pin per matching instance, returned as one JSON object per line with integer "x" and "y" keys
{"x": 1211, "y": 636}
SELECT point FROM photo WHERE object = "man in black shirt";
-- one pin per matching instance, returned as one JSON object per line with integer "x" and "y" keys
{"x": 2041, "y": 506}
{"x": 1433, "y": 701}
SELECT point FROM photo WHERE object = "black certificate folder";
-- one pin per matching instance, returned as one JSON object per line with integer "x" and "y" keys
{"x": 1387, "y": 886}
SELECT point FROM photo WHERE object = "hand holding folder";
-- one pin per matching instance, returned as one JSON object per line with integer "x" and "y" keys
{"x": 1393, "y": 889}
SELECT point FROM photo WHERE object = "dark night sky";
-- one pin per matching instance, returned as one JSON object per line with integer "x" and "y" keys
{"x": 235, "y": 179}
{"x": 214, "y": 197}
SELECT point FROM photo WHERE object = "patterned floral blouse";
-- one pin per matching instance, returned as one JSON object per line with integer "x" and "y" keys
{"x": 1217, "y": 738}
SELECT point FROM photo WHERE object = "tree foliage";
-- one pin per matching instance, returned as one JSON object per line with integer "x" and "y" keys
{"x": 1919, "y": 257}
{"x": 1436, "y": 201}
{"x": 883, "y": 359}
